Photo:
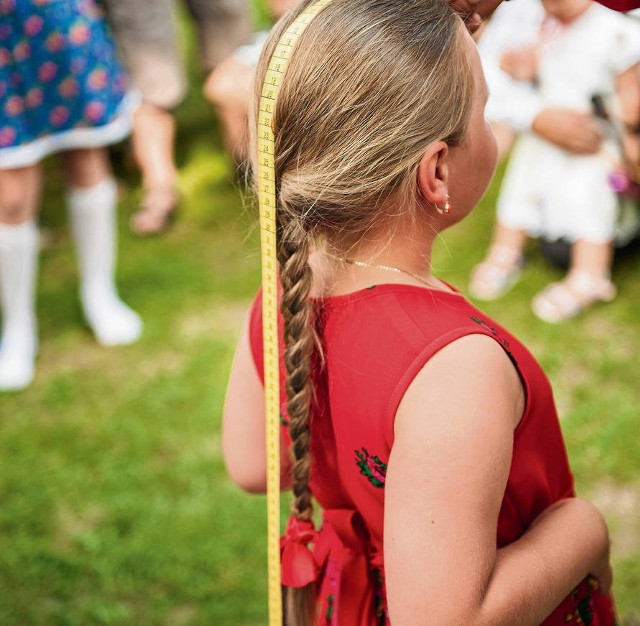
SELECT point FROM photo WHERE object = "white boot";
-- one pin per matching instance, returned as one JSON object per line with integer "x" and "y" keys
{"x": 18, "y": 263}
{"x": 93, "y": 223}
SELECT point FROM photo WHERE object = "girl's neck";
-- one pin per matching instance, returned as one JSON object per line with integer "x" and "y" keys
{"x": 404, "y": 247}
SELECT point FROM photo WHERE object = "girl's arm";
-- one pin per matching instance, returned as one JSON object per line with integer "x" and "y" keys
{"x": 243, "y": 424}
{"x": 445, "y": 482}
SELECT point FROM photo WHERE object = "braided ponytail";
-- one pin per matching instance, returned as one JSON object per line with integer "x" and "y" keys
{"x": 297, "y": 310}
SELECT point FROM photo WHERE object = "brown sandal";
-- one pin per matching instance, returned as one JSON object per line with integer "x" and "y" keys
{"x": 156, "y": 211}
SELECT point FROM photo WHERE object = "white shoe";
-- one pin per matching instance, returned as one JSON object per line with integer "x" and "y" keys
{"x": 93, "y": 221}
{"x": 17, "y": 367}
{"x": 18, "y": 268}
{"x": 112, "y": 321}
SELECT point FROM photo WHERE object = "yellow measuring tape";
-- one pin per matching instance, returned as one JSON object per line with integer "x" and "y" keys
{"x": 267, "y": 199}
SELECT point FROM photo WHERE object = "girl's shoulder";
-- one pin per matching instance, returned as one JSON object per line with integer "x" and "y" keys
{"x": 379, "y": 340}
{"x": 376, "y": 340}
{"x": 407, "y": 314}
{"x": 395, "y": 318}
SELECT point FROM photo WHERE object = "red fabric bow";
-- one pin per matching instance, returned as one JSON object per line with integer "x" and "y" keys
{"x": 339, "y": 561}
{"x": 299, "y": 567}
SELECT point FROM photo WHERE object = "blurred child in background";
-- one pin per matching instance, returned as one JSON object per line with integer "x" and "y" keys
{"x": 582, "y": 50}
{"x": 229, "y": 87}
{"x": 146, "y": 33}
{"x": 61, "y": 90}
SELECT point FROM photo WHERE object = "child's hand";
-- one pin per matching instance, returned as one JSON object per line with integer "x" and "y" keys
{"x": 520, "y": 63}
{"x": 578, "y": 133}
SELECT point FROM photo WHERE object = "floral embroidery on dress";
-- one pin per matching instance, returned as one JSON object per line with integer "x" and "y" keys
{"x": 329, "y": 613}
{"x": 583, "y": 612}
{"x": 372, "y": 467}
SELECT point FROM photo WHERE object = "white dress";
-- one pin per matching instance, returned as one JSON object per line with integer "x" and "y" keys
{"x": 511, "y": 102}
{"x": 548, "y": 191}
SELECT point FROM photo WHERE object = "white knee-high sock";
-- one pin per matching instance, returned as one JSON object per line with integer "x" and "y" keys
{"x": 18, "y": 267}
{"x": 93, "y": 222}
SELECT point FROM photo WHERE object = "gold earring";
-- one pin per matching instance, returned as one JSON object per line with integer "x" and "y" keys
{"x": 446, "y": 208}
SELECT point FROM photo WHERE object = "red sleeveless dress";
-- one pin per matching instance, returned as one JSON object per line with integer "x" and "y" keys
{"x": 376, "y": 340}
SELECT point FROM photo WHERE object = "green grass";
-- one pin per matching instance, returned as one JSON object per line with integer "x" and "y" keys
{"x": 115, "y": 507}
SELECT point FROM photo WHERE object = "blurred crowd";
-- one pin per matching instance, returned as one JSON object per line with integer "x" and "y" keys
{"x": 565, "y": 94}
{"x": 79, "y": 75}
{"x": 75, "y": 77}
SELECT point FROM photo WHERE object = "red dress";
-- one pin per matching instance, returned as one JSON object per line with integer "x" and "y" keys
{"x": 376, "y": 340}
{"x": 621, "y": 5}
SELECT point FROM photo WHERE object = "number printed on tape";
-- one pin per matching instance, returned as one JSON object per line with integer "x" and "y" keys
{"x": 267, "y": 200}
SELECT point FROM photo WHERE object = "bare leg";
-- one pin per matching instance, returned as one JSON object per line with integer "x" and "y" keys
{"x": 86, "y": 168}
{"x": 595, "y": 259}
{"x": 20, "y": 191}
{"x": 509, "y": 237}
{"x": 153, "y": 139}
{"x": 587, "y": 282}
{"x": 153, "y": 144}
{"x": 228, "y": 88}
{"x": 92, "y": 200}
{"x": 500, "y": 269}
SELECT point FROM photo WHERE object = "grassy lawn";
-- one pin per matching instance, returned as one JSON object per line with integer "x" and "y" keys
{"x": 115, "y": 505}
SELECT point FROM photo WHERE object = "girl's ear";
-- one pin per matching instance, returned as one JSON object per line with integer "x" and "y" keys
{"x": 433, "y": 173}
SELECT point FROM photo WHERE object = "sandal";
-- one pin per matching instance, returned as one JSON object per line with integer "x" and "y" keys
{"x": 566, "y": 299}
{"x": 156, "y": 211}
{"x": 495, "y": 276}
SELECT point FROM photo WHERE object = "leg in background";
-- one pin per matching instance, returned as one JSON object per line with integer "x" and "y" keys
{"x": 145, "y": 31}
{"x": 500, "y": 269}
{"x": 229, "y": 85}
{"x": 594, "y": 259}
{"x": 153, "y": 144}
{"x": 587, "y": 282}
{"x": 20, "y": 191}
{"x": 222, "y": 26}
{"x": 228, "y": 88}
{"x": 92, "y": 199}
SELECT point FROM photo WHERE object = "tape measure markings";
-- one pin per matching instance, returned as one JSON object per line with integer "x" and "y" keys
{"x": 267, "y": 201}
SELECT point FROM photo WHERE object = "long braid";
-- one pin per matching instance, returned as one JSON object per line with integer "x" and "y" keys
{"x": 297, "y": 310}
{"x": 343, "y": 156}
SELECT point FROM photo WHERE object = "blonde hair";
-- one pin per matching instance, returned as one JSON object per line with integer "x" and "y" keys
{"x": 371, "y": 83}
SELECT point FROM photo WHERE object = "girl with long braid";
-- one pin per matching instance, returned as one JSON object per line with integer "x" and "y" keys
{"x": 426, "y": 433}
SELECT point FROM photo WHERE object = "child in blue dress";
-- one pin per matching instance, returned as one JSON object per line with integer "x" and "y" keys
{"x": 61, "y": 91}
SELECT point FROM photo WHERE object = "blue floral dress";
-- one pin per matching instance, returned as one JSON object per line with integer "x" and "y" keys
{"x": 61, "y": 86}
